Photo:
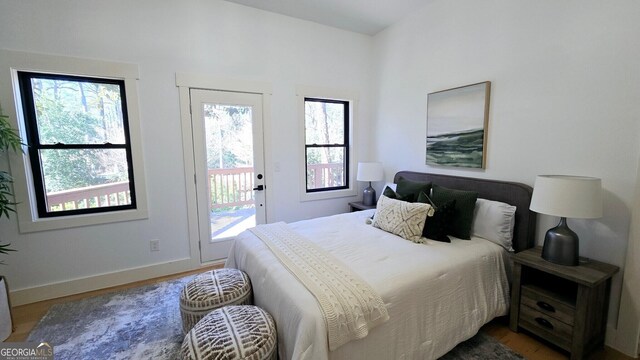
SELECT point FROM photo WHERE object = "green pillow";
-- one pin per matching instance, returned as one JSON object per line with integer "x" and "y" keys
{"x": 460, "y": 224}
{"x": 412, "y": 189}
{"x": 436, "y": 226}
{"x": 388, "y": 192}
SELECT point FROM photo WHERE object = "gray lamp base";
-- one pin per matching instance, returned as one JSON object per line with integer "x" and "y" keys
{"x": 561, "y": 245}
{"x": 369, "y": 196}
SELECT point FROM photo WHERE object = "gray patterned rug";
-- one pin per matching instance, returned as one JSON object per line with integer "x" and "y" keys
{"x": 144, "y": 323}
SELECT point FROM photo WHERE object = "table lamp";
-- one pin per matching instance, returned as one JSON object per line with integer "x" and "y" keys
{"x": 369, "y": 171}
{"x": 565, "y": 196}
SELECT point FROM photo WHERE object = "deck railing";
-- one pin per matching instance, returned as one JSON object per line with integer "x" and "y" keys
{"x": 325, "y": 175}
{"x": 230, "y": 187}
{"x": 90, "y": 197}
{"x": 227, "y": 188}
{"x": 234, "y": 187}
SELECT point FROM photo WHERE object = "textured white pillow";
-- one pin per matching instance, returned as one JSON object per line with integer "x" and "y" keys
{"x": 494, "y": 221}
{"x": 401, "y": 218}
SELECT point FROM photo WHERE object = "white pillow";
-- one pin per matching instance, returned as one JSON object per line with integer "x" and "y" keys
{"x": 494, "y": 221}
{"x": 401, "y": 218}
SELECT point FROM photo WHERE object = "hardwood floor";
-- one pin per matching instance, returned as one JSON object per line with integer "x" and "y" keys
{"x": 27, "y": 316}
{"x": 534, "y": 348}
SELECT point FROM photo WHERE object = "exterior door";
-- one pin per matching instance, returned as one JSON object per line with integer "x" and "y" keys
{"x": 229, "y": 163}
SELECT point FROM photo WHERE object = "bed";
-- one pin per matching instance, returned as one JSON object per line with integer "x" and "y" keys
{"x": 436, "y": 295}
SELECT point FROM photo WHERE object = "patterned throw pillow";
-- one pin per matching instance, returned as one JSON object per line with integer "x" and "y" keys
{"x": 402, "y": 218}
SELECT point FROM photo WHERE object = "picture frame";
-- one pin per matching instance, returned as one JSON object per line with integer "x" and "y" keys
{"x": 457, "y": 126}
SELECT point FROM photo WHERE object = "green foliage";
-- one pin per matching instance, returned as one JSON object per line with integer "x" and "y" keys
{"x": 9, "y": 140}
{"x": 70, "y": 112}
{"x": 72, "y": 168}
{"x": 6, "y": 205}
{"x": 228, "y": 136}
{"x": 56, "y": 123}
{"x": 5, "y": 249}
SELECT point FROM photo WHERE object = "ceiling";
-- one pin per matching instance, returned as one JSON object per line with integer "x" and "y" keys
{"x": 363, "y": 16}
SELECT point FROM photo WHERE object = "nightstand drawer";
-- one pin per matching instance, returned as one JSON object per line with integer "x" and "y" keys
{"x": 547, "y": 303}
{"x": 546, "y": 327}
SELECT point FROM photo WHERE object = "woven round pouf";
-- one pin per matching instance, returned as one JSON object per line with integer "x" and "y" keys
{"x": 237, "y": 332}
{"x": 211, "y": 290}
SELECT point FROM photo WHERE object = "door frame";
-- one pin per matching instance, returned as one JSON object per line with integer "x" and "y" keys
{"x": 186, "y": 82}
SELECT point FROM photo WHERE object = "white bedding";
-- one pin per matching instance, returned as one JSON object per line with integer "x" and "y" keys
{"x": 349, "y": 305}
{"x": 437, "y": 294}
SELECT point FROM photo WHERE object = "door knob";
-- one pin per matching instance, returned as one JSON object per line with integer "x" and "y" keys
{"x": 259, "y": 188}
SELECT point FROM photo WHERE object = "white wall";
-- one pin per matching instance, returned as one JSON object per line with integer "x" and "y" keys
{"x": 564, "y": 98}
{"x": 209, "y": 37}
{"x": 628, "y": 331}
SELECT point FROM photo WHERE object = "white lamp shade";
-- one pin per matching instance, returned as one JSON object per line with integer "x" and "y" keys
{"x": 370, "y": 171}
{"x": 576, "y": 197}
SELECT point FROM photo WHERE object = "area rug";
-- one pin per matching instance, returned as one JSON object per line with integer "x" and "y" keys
{"x": 144, "y": 323}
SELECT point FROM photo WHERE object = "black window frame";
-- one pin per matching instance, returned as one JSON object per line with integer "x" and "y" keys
{"x": 34, "y": 145}
{"x": 346, "y": 104}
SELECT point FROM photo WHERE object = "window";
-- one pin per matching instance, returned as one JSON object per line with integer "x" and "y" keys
{"x": 328, "y": 118}
{"x": 326, "y": 144}
{"x": 106, "y": 154}
{"x": 79, "y": 148}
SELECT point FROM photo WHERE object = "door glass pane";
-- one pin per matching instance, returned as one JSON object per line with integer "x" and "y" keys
{"x": 229, "y": 142}
{"x": 85, "y": 178}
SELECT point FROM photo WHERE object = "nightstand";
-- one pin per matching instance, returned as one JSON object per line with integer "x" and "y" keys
{"x": 565, "y": 305}
{"x": 358, "y": 205}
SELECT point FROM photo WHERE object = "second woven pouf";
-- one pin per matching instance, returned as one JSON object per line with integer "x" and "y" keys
{"x": 211, "y": 290}
{"x": 243, "y": 332}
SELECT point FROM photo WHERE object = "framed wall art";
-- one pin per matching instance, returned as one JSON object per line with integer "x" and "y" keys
{"x": 457, "y": 126}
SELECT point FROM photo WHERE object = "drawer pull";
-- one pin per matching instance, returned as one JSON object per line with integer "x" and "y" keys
{"x": 544, "y": 306}
{"x": 544, "y": 323}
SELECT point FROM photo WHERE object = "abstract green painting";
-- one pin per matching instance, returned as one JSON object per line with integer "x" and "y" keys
{"x": 457, "y": 126}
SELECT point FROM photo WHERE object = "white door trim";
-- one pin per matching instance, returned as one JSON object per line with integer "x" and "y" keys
{"x": 208, "y": 82}
{"x": 185, "y": 82}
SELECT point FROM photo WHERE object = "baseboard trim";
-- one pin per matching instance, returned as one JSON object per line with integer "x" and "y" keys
{"x": 613, "y": 341}
{"x": 102, "y": 281}
{"x": 610, "y": 337}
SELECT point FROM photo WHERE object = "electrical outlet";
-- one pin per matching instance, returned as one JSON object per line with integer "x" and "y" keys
{"x": 154, "y": 245}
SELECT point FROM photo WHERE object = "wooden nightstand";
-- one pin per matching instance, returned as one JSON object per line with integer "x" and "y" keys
{"x": 565, "y": 305}
{"x": 358, "y": 205}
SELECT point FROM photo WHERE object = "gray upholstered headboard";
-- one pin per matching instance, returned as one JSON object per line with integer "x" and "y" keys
{"x": 511, "y": 193}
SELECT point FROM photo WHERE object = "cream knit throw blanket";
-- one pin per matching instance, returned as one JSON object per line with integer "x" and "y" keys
{"x": 349, "y": 305}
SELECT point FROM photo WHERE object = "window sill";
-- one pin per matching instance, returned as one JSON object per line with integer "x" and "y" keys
{"x": 324, "y": 195}
{"x": 65, "y": 222}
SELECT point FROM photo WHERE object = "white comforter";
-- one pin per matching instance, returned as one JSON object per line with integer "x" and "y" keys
{"x": 437, "y": 294}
